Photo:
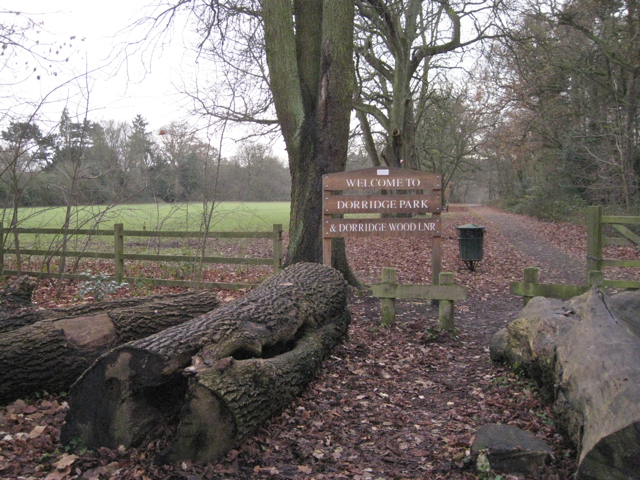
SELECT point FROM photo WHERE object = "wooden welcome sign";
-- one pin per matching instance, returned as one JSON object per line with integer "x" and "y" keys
{"x": 362, "y": 192}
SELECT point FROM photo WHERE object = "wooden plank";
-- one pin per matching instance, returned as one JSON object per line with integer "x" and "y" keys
{"x": 326, "y": 251}
{"x": 627, "y": 233}
{"x": 621, "y": 219}
{"x": 339, "y": 204}
{"x": 621, "y": 263}
{"x": 43, "y": 253}
{"x": 142, "y": 233}
{"x": 380, "y": 227}
{"x": 635, "y": 285}
{"x": 617, "y": 241}
{"x": 381, "y": 179}
{"x": 564, "y": 292}
{"x": 57, "y": 231}
{"x": 161, "y": 234}
{"x": 420, "y": 292}
{"x": 196, "y": 259}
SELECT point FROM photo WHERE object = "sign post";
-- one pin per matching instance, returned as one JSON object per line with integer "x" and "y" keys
{"x": 363, "y": 192}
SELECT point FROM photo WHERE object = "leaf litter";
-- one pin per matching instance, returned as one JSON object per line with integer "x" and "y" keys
{"x": 397, "y": 402}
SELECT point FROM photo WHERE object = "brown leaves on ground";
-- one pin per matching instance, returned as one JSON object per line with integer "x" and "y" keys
{"x": 398, "y": 402}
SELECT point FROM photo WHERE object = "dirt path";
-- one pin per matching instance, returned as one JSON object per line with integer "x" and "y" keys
{"x": 558, "y": 266}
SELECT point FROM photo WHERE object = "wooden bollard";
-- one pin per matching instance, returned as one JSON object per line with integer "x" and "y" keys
{"x": 390, "y": 277}
{"x": 445, "y": 309}
{"x": 530, "y": 276}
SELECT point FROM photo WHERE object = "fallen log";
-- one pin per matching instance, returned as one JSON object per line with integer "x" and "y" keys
{"x": 588, "y": 359}
{"x": 50, "y": 354}
{"x": 226, "y": 371}
{"x": 17, "y": 309}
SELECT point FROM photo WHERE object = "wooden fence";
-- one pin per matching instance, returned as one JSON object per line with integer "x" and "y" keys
{"x": 119, "y": 256}
{"x": 596, "y": 240}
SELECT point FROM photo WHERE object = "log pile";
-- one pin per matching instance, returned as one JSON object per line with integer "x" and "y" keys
{"x": 586, "y": 357}
{"x": 227, "y": 371}
{"x": 48, "y": 349}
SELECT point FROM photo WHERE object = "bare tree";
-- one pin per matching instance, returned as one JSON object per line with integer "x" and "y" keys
{"x": 397, "y": 45}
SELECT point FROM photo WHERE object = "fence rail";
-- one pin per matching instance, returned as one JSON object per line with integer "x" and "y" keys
{"x": 119, "y": 256}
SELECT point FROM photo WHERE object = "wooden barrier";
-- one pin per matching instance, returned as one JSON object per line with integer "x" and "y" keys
{"x": 531, "y": 288}
{"x": 446, "y": 292}
{"x": 119, "y": 256}
{"x": 596, "y": 241}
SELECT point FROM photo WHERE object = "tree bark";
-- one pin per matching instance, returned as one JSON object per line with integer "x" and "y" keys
{"x": 51, "y": 353}
{"x": 228, "y": 370}
{"x": 311, "y": 72}
{"x": 588, "y": 359}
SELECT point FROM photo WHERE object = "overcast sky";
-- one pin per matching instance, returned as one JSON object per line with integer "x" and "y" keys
{"x": 96, "y": 31}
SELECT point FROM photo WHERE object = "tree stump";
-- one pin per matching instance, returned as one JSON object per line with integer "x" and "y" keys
{"x": 52, "y": 353}
{"x": 226, "y": 371}
{"x": 588, "y": 359}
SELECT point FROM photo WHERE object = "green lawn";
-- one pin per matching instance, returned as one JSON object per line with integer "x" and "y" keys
{"x": 228, "y": 216}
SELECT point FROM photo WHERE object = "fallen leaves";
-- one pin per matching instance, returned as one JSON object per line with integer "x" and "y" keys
{"x": 389, "y": 403}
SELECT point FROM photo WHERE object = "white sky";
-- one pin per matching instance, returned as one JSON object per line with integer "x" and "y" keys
{"x": 140, "y": 86}
{"x": 144, "y": 85}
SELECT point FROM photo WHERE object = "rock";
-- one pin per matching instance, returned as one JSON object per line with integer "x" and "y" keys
{"x": 511, "y": 450}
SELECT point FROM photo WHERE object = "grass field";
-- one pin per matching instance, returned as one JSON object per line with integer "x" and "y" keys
{"x": 227, "y": 216}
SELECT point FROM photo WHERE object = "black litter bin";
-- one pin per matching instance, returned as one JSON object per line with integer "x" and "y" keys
{"x": 470, "y": 239}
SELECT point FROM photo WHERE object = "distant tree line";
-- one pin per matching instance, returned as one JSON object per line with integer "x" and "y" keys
{"x": 91, "y": 163}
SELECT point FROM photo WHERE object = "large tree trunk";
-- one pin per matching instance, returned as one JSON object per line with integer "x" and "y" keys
{"x": 53, "y": 351}
{"x": 588, "y": 359}
{"x": 311, "y": 71}
{"x": 229, "y": 369}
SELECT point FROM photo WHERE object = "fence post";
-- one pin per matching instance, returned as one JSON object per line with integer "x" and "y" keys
{"x": 530, "y": 276}
{"x": 594, "y": 239}
{"x": 1, "y": 248}
{"x": 445, "y": 309}
{"x": 118, "y": 250}
{"x": 277, "y": 247}
{"x": 596, "y": 278}
{"x": 390, "y": 277}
